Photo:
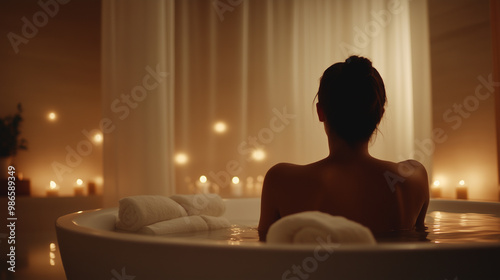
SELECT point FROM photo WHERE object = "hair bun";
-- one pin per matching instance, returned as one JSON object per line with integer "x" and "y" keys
{"x": 358, "y": 65}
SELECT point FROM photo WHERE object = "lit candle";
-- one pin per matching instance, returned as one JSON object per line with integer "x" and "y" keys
{"x": 436, "y": 189}
{"x": 203, "y": 184}
{"x": 461, "y": 190}
{"x": 53, "y": 189}
{"x": 78, "y": 188}
{"x": 259, "y": 184}
{"x": 236, "y": 187}
{"x": 249, "y": 187}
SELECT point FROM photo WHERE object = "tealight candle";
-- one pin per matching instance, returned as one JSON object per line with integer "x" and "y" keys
{"x": 236, "y": 187}
{"x": 436, "y": 189}
{"x": 203, "y": 184}
{"x": 78, "y": 188}
{"x": 461, "y": 190}
{"x": 53, "y": 189}
{"x": 249, "y": 187}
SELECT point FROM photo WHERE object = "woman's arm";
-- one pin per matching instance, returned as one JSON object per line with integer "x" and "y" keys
{"x": 424, "y": 189}
{"x": 269, "y": 212}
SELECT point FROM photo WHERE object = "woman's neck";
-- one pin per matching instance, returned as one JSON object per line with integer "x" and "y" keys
{"x": 342, "y": 150}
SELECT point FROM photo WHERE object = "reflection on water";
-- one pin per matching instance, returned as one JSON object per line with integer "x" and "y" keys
{"x": 237, "y": 233}
{"x": 443, "y": 227}
{"x": 447, "y": 227}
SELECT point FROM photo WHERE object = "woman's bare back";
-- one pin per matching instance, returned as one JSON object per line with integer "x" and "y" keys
{"x": 381, "y": 195}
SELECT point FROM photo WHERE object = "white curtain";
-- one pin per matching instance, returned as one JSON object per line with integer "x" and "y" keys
{"x": 255, "y": 66}
{"x": 137, "y": 88}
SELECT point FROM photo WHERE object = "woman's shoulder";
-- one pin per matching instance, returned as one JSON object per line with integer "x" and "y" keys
{"x": 282, "y": 168}
{"x": 406, "y": 168}
{"x": 411, "y": 168}
{"x": 405, "y": 173}
{"x": 288, "y": 173}
{"x": 290, "y": 169}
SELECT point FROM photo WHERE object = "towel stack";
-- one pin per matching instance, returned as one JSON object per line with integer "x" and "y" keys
{"x": 156, "y": 215}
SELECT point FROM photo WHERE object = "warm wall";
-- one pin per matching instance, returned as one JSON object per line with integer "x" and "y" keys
{"x": 56, "y": 69}
{"x": 495, "y": 34}
{"x": 463, "y": 106}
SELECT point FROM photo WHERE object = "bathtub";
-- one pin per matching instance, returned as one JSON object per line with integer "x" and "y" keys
{"x": 91, "y": 249}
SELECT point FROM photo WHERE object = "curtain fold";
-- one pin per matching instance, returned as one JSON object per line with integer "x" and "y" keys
{"x": 137, "y": 83}
{"x": 255, "y": 67}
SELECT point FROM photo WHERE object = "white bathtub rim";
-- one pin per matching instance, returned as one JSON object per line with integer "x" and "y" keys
{"x": 69, "y": 222}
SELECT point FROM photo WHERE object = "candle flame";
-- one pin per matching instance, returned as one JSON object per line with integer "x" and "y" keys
{"x": 461, "y": 183}
{"x": 235, "y": 180}
{"x": 437, "y": 183}
{"x": 79, "y": 182}
{"x": 203, "y": 178}
{"x": 53, "y": 185}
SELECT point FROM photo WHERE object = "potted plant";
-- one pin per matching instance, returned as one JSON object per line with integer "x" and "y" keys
{"x": 10, "y": 142}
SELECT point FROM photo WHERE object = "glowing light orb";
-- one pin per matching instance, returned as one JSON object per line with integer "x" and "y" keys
{"x": 52, "y": 116}
{"x": 461, "y": 183}
{"x": 203, "y": 179}
{"x": 235, "y": 180}
{"x": 52, "y": 185}
{"x": 98, "y": 138}
{"x": 220, "y": 127}
{"x": 436, "y": 183}
{"x": 258, "y": 155}
{"x": 79, "y": 182}
{"x": 181, "y": 158}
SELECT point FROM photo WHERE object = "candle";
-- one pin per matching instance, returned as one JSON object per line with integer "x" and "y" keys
{"x": 436, "y": 189}
{"x": 236, "y": 187}
{"x": 53, "y": 189}
{"x": 461, "y": 190}
{"x": 203, "y": 184}
{"x": 78, "y": 188}
{"x": 249, "y": 187}
{"x": 259, "y": 184}
{"x": 91, "y": 189}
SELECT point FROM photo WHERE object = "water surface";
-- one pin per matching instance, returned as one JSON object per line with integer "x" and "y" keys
{"x": 442, "y": 227}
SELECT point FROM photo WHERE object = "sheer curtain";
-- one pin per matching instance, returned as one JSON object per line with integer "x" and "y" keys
{"x": 137, "y": 87}
{"x": 246, "y": 73}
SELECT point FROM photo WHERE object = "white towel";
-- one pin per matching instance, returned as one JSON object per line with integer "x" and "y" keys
{"x": 186, "y": 224}
{"x": 178, "y": 225}
{"x": 201, "y": 204}
{"x": 137, "y": 211}
{"x": 311, "y": 226}
{"x": 214, "y": 223}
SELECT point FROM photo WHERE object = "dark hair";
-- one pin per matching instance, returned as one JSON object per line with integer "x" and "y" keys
{"x": 352, "y": 96}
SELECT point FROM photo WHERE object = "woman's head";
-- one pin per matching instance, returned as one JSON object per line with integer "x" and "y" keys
{"x": 352, "y": 97}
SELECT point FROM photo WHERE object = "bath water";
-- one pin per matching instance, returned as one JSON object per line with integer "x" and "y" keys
{"x": 442, "y": 227}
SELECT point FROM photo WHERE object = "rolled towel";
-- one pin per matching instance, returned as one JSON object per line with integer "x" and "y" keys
{"x": 177, "y": 225}
{"x": 311, "y": 226}
{"x": 186, "y": 224}
{"x": 201, "y": 204}
{"x": 214, "y": 223}
{"x": 137, "y": 211}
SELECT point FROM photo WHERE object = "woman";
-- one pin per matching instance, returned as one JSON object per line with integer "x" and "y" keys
{"x": 381, "y": 195}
